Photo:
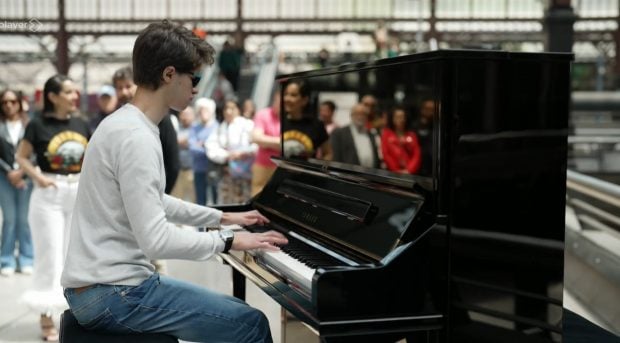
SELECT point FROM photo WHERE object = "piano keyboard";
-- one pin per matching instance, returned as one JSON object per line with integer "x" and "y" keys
{"x": 296, "y": 261}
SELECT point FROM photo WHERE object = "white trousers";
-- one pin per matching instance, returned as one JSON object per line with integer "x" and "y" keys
{"x": 49, "y": 217}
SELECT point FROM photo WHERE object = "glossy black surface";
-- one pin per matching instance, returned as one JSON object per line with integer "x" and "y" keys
{"x": 486, "y": 248}
{"x": 387, "y": 293}
{"x": 506, "y": 122}
{"x": 342, "y": 212}
{"x": 390, "y": 244}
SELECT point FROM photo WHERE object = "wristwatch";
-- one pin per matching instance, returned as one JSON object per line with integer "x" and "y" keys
{"x": 227, "y": 236}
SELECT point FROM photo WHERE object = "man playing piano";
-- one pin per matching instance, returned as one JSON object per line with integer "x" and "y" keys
{"x": 123, "y": 219}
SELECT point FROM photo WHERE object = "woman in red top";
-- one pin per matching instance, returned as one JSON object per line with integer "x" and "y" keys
{"x": 399, "y": 144}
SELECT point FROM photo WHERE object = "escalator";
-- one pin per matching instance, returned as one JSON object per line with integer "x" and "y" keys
{"x": 256, "y": 81}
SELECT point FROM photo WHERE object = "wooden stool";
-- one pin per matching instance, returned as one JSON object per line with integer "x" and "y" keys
{"x": 72, "y": 332}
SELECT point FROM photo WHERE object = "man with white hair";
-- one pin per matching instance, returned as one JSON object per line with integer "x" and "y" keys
{"x": 198, "y": 134}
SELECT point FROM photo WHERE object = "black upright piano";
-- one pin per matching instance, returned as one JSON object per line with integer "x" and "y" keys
{"x": 469, "y": 248}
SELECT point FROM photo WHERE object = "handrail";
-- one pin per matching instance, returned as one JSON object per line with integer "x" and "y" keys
{"x": 607, "y": 188}
{"x": 265, "y": 79}
{"x": 595, "y": 101}
{"x": 207, "y": 86}
{"x": 593, "y": 139}
{"x": 209, "y": 78}
{"x": 595, "y": 202}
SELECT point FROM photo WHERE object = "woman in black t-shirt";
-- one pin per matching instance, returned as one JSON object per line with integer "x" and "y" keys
{"x": 304, "y": 136}
{"x": 58, "y": 140}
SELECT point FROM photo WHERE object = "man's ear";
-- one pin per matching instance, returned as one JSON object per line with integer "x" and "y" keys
{"x": 168, "y": 73}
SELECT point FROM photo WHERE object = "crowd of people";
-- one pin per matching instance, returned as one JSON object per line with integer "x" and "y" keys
{"x": 392, "y": 139}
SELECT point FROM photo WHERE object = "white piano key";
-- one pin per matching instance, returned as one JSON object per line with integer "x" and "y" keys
{"x": 289, "y": 267}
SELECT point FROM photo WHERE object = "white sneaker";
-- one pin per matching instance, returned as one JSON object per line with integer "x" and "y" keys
{"x": 26, "y": 270}
{"x": 7, "y": 271}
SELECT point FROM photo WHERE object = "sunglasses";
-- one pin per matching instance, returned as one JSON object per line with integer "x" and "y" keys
{"x": 12, "y": 102}
{"x": 195, "y": 79}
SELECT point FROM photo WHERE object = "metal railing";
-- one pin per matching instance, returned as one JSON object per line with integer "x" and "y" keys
{"x": 265, "y": 78}
{"x": 595, "y": 202}
{"x": 592, "y": 247}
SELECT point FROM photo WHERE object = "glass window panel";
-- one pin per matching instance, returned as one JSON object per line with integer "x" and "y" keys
{"x": 116, "y": 9}
{"x": 331, "y": 8}
{"x": 488, "y": 8}
{"x": 453, "y": 8}
{"x": 411, "y": 8}
{"x": 221, "y": 8}
{"x": 12, "y": 9}
{"x": 81, "y": 9}
{"x": 373, "y": 8}
{"x": 42, "y": 9}
{"x": 297, "y": 9}
{"x": 261, "y": 9}
{"x": 525, "y": 9}
{"x": 150, "y": 9}
{"x": 186, "y": 9}
{"x": 599, "y": 8}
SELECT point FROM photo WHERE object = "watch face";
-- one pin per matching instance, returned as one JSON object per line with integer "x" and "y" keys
{"x": 227, "y": 234}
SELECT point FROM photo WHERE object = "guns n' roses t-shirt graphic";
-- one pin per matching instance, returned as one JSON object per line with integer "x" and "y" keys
{"x": 302, "y": 137}
{"x": 65, "y": 152}
{"x": 297, "y": 143}
{"x": 58, "y": 144}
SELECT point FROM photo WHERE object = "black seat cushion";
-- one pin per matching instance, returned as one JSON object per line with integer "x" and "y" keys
{"x": 72, "y": 332}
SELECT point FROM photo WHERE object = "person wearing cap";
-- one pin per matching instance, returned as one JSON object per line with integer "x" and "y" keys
{"x": 106, "y": 101}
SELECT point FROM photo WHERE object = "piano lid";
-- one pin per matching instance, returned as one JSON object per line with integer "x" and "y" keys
{"x": 354, "y": 212}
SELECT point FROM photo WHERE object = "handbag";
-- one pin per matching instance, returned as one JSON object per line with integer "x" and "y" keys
{"x": 241, "y": 168}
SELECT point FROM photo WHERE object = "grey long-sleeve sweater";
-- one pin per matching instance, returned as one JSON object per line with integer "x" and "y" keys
{"x": 122, "y": 218}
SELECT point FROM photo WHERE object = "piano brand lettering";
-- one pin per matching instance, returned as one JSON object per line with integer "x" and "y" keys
{"x": 311, "y": 218}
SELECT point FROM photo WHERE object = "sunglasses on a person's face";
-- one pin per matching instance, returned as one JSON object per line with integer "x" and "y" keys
{"x": 195, "y": 79}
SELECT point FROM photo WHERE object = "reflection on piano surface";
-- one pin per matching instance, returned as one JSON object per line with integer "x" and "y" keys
{"x": 468, "y": 247}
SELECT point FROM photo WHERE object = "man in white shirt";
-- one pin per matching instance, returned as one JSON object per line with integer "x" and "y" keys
{"x": 123, "y": 219}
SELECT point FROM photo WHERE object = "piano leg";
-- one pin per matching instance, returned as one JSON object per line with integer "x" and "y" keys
{"x": 283, "y": 324}
{"x": 238, "y": 284}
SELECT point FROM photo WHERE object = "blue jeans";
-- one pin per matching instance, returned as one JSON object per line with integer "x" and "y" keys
{"x": 164, "y": 305}
{"x": 202, "y": 185}
{"x": 15, "y": 229}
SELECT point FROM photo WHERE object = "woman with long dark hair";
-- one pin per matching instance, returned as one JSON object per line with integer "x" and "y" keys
{"x": 58, "y": 140}
{"x": 15, "y": 189}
